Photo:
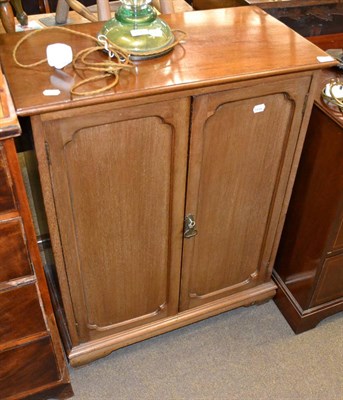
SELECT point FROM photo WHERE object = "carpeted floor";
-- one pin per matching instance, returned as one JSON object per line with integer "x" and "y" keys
{"x": 245, "y": 354}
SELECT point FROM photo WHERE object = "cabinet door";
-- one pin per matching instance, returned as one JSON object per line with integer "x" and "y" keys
{"x": 242, "y": 147}
{"x": 118, "y": 180}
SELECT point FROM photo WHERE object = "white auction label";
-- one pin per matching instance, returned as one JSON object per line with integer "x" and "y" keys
{"x": 259, "y": 108}
{"x": 143, "y": 32}
{"x": 323, "y": 59}
{"x": 51, "y": 92}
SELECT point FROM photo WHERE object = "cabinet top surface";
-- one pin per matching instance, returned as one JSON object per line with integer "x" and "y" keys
{"x": 222, "y": 46}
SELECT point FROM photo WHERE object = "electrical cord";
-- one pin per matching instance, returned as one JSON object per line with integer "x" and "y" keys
{"x": 118, "y": 59}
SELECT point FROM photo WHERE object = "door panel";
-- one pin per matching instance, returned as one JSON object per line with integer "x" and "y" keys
{"x": 237, "y": 158}
{"x": 329, "y": 286}
{"x": 119, "y": 181}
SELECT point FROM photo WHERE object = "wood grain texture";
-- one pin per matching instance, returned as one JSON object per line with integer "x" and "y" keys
{"x": 330, "y": 283}
{"x": 338, "y": 243}
{"x": 210, "y": 4}
{"x": 13, "y": 250}
{"x": 7, "y": 16}
{"x": 34, "y": 328}
{"x": 325, "y": 42}
{"x": 9, "y": 126}
{"x": 31, "y": 357}
{"x": 120, "y": 178}
{"x": 15, "y": 320}
{"x": 86, "y": 352}
{"x": 199, "y": 63}
{"x": 95, "y": 190}
{"x": 307, "y": 17}
{"x": 309, "y": 265}
{"x": 290, "y": 3}
{"x": 114, "y": 168}
{"x": 7, "y": 202}
{"x": 235, "y": 177}
{"x": 298, "y": 320}
{"x": 24, "y": 368}
{"x": 316, "y": 203}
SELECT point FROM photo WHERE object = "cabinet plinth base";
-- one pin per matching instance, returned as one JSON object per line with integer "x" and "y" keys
{"x": 60, "y": 392}
{"x": 301, "y": 320}
{"x": 95, "y": 349}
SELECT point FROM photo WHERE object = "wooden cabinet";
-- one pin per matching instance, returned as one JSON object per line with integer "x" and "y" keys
{"x": 118, "y": 183}
{"x": 32, "y": 363}
{"x": 309, "y": 265}
{"x": 216, "y": 138}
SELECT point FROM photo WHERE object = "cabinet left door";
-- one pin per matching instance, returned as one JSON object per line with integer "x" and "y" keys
{"x": 117, "y": 180}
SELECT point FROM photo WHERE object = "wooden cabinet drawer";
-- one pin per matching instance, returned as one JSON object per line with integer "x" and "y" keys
{"x": 27, "y": 367}
{"x": 330, "y": 282}
{"x": 338, "y": 243}
{"x": 7, "y": 202}
{"x": 14, "y": 258}
{"x": 15, "y": 320}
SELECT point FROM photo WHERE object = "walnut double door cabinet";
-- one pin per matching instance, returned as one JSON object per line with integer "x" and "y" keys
{"x": 166, "y": 195}
{"x": 127, "y": 185}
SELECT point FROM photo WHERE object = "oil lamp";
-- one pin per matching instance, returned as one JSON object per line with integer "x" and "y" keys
{"x": 137, "y": 29}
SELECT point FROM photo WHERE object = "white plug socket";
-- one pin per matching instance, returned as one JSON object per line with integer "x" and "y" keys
{"x": 59, "y": 55}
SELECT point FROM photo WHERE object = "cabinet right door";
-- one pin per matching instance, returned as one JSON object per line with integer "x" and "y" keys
{"x": 243, "y": 143}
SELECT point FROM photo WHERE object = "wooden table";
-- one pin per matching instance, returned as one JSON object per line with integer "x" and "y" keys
{"x": 138, "y": 251}
{"x": 307, "y": 17}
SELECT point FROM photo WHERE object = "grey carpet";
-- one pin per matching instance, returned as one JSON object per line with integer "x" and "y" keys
{"x": 245, "y": 354}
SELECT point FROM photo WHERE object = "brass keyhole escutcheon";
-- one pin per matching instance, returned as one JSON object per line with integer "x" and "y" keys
{"x": 189, "y": 227}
